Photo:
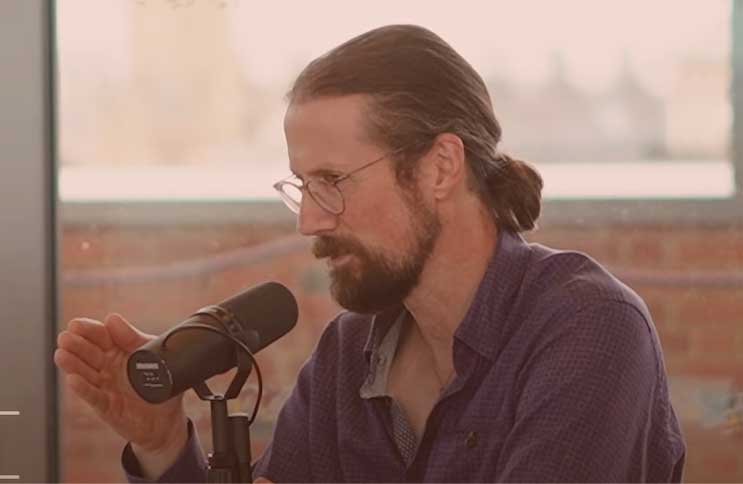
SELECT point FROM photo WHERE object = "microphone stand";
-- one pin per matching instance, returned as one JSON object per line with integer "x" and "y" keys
{"x": 231, "y": 458}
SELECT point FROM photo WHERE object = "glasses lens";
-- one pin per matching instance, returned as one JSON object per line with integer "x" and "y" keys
{"x": 291, "y": 195}
{"x": 327, "y": 195}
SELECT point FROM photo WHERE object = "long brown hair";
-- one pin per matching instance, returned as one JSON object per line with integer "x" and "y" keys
{"x": 419, "y": 87}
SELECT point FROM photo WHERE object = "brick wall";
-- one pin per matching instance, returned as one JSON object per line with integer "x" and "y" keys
{"x": 691, "y": 277}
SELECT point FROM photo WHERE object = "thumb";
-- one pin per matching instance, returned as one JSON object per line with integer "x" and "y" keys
{"x": 124, "y": 334}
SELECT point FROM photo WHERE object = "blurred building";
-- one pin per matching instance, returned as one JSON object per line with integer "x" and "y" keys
{"x": 699, "y": 109}
{"x": 173, "y": 99}
{"x": 560, "y": 122}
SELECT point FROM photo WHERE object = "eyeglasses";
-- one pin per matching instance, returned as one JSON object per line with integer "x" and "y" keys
{"x": 323, "y": 191}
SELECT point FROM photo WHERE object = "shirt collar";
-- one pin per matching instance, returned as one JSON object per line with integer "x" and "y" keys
{"x": 382, "y": 355}
{"x": 485, "y": 319}
{"x": 380, "y": 324}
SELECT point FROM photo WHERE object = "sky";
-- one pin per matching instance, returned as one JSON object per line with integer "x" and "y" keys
{"x": 499, "y": 37}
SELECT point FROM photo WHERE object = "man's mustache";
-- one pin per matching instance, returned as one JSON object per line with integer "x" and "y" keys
{"x": 325, "y": 246}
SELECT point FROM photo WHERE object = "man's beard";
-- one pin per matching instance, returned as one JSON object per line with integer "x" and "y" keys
{"x": 375, "y": 281}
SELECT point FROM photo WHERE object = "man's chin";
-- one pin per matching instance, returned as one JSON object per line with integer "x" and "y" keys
{"x": 353, "y": 296}
{"x": 346, "y": 290}
{"x": 343, "y": 280}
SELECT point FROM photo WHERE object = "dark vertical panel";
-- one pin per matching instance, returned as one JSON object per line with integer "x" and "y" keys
{"x": 28, "y": 441}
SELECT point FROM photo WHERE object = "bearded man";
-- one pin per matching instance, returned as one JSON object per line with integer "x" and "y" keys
{"x": 466, "y": 353}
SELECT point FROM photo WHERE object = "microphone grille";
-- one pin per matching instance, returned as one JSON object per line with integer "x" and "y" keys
{"x": 268, "y": 308}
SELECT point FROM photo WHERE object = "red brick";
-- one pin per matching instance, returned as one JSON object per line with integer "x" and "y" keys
{"x": 80, "y": 249}
{"x": 600, "y": 243}
{"x": 676, "y": 364}
{"x": 719, "y": 341}
{"x": 675, "y": 343}
{"x": 710, "y": 454}
{"x": 725, "y": 464}
{"x": 646, "y": 251}
{"x": 145, "y": 246}
{"x": 660, "y": 304}
{"x": 667, "y": 298}
{"x": 720, "y": 249}
{"x": 711, "y": 307}
{"x": 156, "y": 305}
{"x": 689, "y": 320}
{"x": 708, "y": 367}
{"x": 76, "y": 301}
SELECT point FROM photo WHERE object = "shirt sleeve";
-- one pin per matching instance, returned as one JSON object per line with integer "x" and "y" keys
{"x": 585, "y": 400}
{"x": 190, "y": 466}
{"x": 303, "y": 448}
{"x": 287, "y": 457}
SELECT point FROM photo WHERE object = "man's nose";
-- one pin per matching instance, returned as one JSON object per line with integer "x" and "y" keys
{"x": 313, "y": 219}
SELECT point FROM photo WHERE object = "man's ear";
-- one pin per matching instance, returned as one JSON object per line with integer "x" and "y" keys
{"x": 446, "y": 165}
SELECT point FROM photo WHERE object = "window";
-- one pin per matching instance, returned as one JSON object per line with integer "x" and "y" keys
{"x": 184, "y": 99}
{"x": 170, "y": 136}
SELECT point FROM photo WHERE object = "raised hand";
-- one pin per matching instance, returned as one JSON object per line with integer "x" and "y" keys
{"x": 93, "y": 356}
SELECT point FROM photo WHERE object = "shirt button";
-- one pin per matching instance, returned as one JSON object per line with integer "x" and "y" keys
{"x": 471, "y": 440}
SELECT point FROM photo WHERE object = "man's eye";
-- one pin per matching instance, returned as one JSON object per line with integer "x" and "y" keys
{"x": 330, "y": 178}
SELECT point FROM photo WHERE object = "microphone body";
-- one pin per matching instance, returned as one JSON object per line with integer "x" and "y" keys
{"x": 261, "y": 314}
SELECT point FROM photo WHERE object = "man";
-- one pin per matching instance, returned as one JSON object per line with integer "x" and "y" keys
{"x": 466, "y": 354}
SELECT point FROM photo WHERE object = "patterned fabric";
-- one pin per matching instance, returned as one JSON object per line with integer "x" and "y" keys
{"x": 560, "y": 378}
{"x": 376, "y": 386}
{"x": 403, "y": 434}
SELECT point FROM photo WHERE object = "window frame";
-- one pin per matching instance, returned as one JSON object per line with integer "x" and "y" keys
{"x": 28, "y": 292}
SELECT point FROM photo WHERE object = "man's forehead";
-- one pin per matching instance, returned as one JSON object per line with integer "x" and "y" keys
{"x": 326, "y": 117}
{"x": 332, "y": 154}
{"x": 326, "y": 134}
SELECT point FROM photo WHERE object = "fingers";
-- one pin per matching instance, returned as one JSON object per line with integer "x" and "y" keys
{"x": 123, "y": 334}
{"x": 81, "y": 347}
{"x": 262, "y": 480}
{"x": 73, "y": 365}
{"x": 92, "y": 330}
{"x": 90, "y": 394}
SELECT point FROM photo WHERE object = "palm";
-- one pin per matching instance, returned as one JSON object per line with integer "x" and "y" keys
{"x": 94, "y": 357}
{"x": 132, "y": 417}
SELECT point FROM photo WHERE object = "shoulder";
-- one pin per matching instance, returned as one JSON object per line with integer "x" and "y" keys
{"x": 573, "y": 282}
{"x": 577, "y": 319}
{"x": 569, "y": 296}
{"x": 575, "y": 275}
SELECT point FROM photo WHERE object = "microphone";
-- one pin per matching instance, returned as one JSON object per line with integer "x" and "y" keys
{"x": 258, "y": 316}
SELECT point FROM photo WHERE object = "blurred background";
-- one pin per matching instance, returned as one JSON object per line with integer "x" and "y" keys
{"x": 169, "y": 136}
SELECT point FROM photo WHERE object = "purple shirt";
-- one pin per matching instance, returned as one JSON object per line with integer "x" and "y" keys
{"x": 560, "y": 377}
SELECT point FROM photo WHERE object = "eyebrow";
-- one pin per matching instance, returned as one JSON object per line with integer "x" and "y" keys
{"x": 319, "y": 173}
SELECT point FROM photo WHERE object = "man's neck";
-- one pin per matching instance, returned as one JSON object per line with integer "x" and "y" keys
{"x": 448, "y": 284}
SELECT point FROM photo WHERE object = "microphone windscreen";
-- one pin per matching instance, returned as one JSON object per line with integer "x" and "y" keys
{"x": 270, "y": 309}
